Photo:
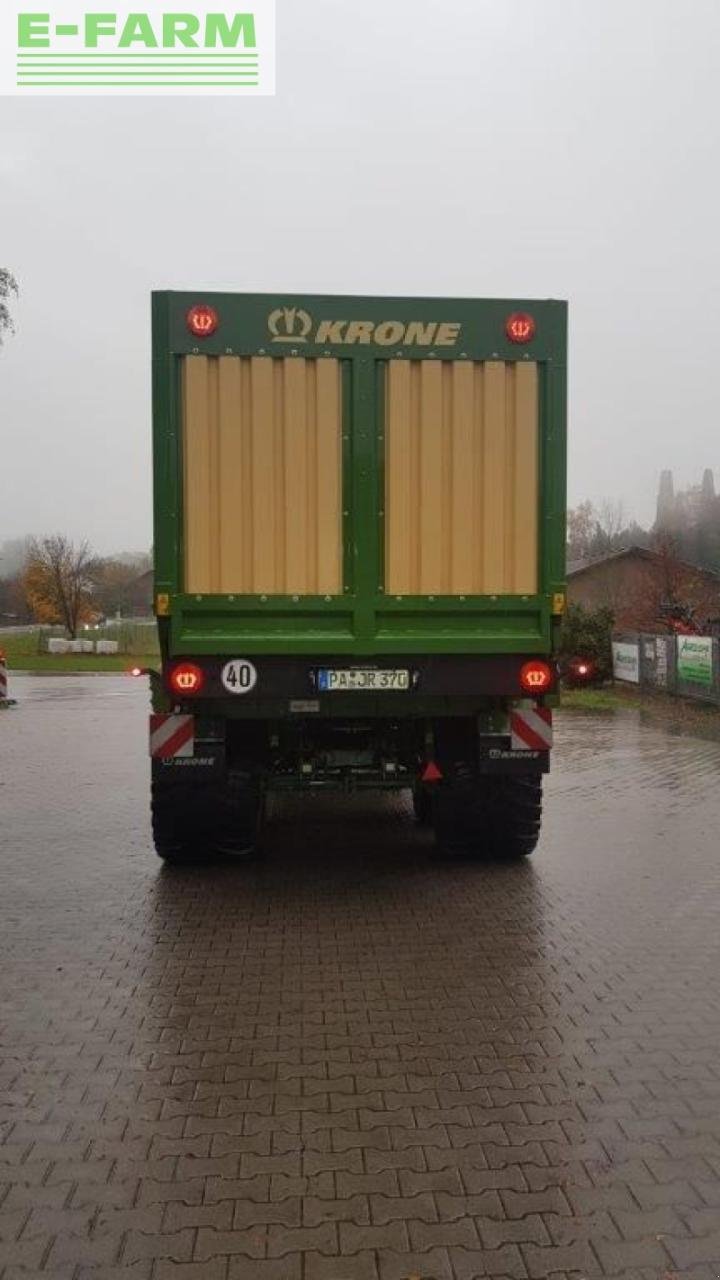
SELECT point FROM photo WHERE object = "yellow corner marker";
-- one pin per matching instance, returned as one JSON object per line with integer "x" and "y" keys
{"x": 558, "y": 605}
{"x": 162, "y": 604}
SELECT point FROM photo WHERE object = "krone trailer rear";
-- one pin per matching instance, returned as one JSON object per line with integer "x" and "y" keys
{"x": 359, "y": 559}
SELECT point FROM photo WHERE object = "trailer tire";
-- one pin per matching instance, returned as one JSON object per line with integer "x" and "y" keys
{"x": 199, "y": 825}
{"x": 422, "y": 804}
{"x": 236, "y": 832}
{"x": 493, "y": 816}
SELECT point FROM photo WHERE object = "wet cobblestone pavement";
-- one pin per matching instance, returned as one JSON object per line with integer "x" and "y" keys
{"x": 350, "y": 1061}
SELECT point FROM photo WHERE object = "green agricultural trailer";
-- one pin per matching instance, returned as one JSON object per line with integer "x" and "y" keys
{"x": 359, "y": 559}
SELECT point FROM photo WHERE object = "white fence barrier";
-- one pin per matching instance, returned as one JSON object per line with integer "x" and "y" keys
{"x": 58, "y": 644}
{"x": 684, "y": 665}
{"x": 626, "y": 660}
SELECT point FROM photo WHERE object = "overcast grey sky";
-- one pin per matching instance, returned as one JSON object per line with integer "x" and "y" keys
{"x": 541, "y": 148}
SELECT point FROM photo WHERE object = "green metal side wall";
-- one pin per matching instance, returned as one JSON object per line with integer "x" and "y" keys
{"x": 364, "y": 335}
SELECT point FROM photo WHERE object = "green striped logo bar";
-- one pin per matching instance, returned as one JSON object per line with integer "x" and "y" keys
{"x": 79, "y": 51}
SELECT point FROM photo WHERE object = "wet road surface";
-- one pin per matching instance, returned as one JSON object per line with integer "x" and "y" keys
{"x": 350, "y": 1061}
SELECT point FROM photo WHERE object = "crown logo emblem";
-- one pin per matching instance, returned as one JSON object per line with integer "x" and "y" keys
{"x": 536, "y": 679}
{"x": 289, "y": 324}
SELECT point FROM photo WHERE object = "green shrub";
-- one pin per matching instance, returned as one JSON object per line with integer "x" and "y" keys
{"x": 587, "y": 633}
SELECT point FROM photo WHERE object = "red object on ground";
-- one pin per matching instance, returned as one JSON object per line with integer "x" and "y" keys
{"x": 431, "y": 772}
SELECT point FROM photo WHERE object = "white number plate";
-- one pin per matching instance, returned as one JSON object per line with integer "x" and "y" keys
{"x": 338, "y": 680}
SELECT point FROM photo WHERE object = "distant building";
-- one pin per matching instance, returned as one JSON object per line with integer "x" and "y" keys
{"x": 687, "y": 507}
{"x": 639, "y": 585}
{"x": 665, "y": 515}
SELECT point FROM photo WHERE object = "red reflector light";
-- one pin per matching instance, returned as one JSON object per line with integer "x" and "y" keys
{"x": 186, "y": 678}
{"x": 536, "y": 676}
{"x": 431, "y": 772}
{"x": 202, "y": 320}
{"x": 520, "y": 327}
{"x": 580, "y": 669}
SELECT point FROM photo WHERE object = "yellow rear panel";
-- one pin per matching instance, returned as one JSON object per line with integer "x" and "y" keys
{"x": 262, "y": 475}
{"x": 461, "y": 478}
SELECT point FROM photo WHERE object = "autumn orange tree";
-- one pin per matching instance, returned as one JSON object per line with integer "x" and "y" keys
{"x": 58, "y": 582}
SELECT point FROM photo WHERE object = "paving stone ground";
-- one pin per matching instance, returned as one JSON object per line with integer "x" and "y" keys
{"x": 351, "y": 1061}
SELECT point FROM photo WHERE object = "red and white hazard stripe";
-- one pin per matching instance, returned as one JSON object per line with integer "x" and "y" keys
{"x": 531, "y": 729}
{"x": 171, "y": 736}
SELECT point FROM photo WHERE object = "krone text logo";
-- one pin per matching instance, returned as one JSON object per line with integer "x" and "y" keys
{"x": 293, "y": 324}
{"x": 78, "y": 50}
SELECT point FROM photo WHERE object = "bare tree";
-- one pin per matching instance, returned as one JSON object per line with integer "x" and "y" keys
{"x": 596, "y": 532}
{"x": 8, "y": 286}
{"x": 581, "y": 522}
{"x": 115, "y": 583}
{"x": 611, "y": 518}
{"x": 58, "y": 581}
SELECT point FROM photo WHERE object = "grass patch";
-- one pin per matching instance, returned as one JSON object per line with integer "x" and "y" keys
{"x": 83, "y": 662}
{"x": 27, "y": 650}
{"x": 673, "y": 714}
{"x": 604, "y": 699}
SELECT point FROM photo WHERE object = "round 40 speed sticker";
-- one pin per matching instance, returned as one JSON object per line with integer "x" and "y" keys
{"x": 239, "y": 676}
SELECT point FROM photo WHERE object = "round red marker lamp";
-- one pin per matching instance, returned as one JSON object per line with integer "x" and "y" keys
{"x": 202, "y": 320}
{"x": 536, "y": 676}
{"x": 186, "y": 678}
{"x": 520, "y": 327}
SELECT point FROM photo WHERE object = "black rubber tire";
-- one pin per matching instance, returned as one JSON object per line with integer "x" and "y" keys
{"x": 490, "y": 816}
{"x": 422, "y": 804}
{"x": 197, "y": 825}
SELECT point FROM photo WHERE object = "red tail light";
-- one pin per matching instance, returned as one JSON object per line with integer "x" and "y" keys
{"x": 202, "y": 320}
{"x": 186, "y": 678}
{"x": 520, "y": 327}
{"x": 536, "y": 676}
